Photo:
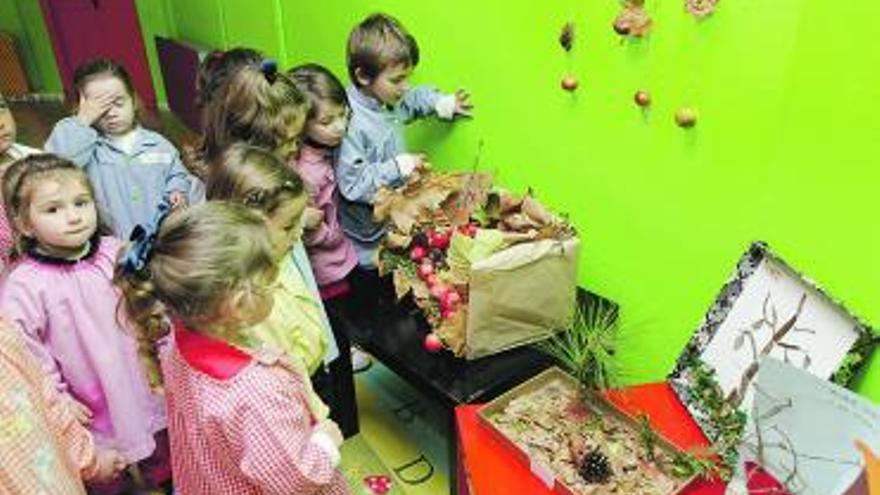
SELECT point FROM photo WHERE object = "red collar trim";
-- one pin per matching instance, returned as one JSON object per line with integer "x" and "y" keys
{"x": 209, "y": 355}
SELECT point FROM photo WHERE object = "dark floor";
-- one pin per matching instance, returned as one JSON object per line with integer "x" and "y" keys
{"x": 35, "y": 121}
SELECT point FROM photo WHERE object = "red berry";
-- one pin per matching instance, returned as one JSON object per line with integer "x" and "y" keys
{"x": 438, "y": 291}
{"x": 425, "y": 269}
{"x": 452, "y": 297}
{"x": 440, "y": 239}
{"x": 472, "y": 230}
{"x": 432, "y": 343}
{"x": 432, "y": 280}
{"x": 569, "y": 83}
{"x": 642, "y": 98}
{"x": 417, "y": 253}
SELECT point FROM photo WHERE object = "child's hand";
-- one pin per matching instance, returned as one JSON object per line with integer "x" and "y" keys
{"x": 450, "y": 106}
{"x": 463, "y": 105}
{"x": 312, "y": 217}
{"x": 80, "y": 411}
{"x": 409, "y": 162}
{"x": 110, "y": 463}
{"x": 331, "y": 429}
{"x": 177, "y": 200}
{"x": 872, "y": 467}
{"x": 92, "y": 109}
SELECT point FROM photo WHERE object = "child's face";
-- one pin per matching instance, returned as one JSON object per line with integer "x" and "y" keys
{"x": 7, "y": 128}
{"x": 261, "y": 300}
{"x": 285, "y": 225}
{"x": 61, "y": 215}
{"x": 119, "y": 119}
{"x": 390, "y": 85}
{"x": 329, "y": 124}
{"x": 248, "y": 306}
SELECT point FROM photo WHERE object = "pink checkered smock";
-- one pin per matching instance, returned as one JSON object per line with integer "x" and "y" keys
{"x": 239, "y": 423}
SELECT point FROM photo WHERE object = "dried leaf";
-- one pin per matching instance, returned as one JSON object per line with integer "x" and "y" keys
{"x": 520, "y": 222}
{"x": 395, "y": 240}
{"x": 700, "y": 8}
{"x": 634, "y": 19}
{"x": 452, "y": 331}
{"x": 420, "y": 201}
{"x": 402, "y": 283}
{"x": 420, "y": 290}
{"x": 566, "y": 37}
{"x": 532, "y": 208}
{"x": 509, "y": 202}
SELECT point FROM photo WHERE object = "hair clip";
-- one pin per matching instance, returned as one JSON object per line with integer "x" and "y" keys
{"x": 256, "y": 199}
{"x": 143, "y": 239}
{"x": 269, "y": 68}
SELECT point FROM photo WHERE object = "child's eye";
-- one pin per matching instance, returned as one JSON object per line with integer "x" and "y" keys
{"x": 82, "y": 202}
{"x": 52, "y": 209}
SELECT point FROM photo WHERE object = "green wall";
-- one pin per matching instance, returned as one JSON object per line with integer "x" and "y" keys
{"x": 785, "y": 149}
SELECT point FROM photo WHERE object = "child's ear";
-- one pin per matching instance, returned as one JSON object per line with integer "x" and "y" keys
{"x": 24, "y": 227}
{"x": 361, "y": 78}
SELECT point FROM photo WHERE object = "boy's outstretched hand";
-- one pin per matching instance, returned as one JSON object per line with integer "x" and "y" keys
{"x": 453, "y": 105}
{"x": 463, "y": 105}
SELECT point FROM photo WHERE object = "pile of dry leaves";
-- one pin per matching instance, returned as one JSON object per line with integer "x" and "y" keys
{"x": 441, "y": 223}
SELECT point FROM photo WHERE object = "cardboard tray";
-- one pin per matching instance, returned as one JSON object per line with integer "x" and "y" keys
{"x": 599, "y": 405}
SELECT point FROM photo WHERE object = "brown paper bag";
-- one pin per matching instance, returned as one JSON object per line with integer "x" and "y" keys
{"x": 521, "y": 295}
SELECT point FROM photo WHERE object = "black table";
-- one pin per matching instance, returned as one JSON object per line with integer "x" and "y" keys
{"x": 395, "y": 339}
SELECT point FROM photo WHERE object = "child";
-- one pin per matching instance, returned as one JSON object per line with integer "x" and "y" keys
{"x": 132, "y": 169}
{"x": 240, "y": 421}
{"x": 45, "y": 449}
{"x": 258, "y": 179}
{"x": 9, "y": 152}
{"x": 381, "y": 57}
{"x": 330, "y": 252}
{"x": 332, "y": 256}
{"x": 60, "y": 296}
{"x": 9, "y": 149}
{"x": 219, "y": 66}
{"x": 256, "y": 105}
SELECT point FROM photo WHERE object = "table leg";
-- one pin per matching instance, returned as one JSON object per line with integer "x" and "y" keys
{"x": 454, "y": 477}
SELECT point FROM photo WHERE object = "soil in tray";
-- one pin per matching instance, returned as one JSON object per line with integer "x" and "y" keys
{"x": 591, "y": 452}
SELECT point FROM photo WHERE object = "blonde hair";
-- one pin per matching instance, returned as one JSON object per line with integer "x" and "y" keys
{"x": 257, "y": 106}
{"x": 18, "y": 185}
{"x": 254, "y": 177}
{"x": 201, "y": 255}
{"x": 378, "y": 42}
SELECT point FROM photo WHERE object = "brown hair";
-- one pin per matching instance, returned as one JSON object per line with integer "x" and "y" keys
{"x": 255, "y": 106}
{"x": 201, "y": 255}
{"x": 218, "y": 67}
{"x": 378, "y": 42}
{"x": 95, "y": 68}
{"x": 19, "y": 181}
{"x": 254, "y": 177}
{"x": 318, "y": 84}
